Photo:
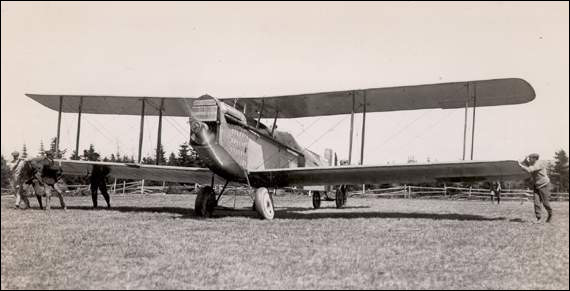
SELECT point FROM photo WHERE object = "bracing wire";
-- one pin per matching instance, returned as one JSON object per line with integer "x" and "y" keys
{"x": 403, "y": 129}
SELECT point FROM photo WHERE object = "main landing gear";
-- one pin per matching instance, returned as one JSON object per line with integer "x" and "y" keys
{"x": 339, "y": 198}
{"x": 206, "y": 202}
{"x": 264, "y": 203}
{"x": 316, "y": 199}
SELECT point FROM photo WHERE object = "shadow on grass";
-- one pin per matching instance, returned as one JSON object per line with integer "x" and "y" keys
{"x": 173, "y": 210}
{"x": 299, "y": 213}
{"x": 294, "y": 214}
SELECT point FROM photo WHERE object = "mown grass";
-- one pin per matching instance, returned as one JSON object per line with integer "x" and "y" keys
{"x": 155, "y": 242}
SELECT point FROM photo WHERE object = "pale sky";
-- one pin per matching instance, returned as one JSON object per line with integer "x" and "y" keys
{"x": 265, "y": 49}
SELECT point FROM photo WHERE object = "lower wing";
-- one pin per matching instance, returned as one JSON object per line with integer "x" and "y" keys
{"x": 404, "y": 173}
{"x": 140, "y": 171}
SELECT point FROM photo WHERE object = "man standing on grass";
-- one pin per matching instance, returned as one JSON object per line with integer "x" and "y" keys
{"x": 496, "y": 191}
{"x": 98, "y": 182}
{"x": 14, "y": 169}
{"x": 540, "y": 184}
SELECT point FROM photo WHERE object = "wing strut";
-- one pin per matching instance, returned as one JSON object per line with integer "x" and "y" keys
{"x": 79, "y": 109}
{"x": 362, "y": 143}
{"x": 158, "y": 138}
{"x": 465, "y": 128}
{"x": 363, "y": 127}
{"x": 274, "y": 122}
{"x": 471, "y": 94}
{"x": 141, "y": 131}
{"x": 351, "y": 131}
{"x": 58, "y": 124}
{"x": 473, "y": 127}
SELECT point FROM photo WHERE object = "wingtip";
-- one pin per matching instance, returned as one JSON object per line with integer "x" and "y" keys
{"x": 528, "y": 87}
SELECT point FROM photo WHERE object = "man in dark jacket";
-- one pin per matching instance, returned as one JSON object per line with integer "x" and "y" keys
{"x": 98, "y": 182}
{"x": 496, "y": 191}
{"x": 540, "y": 184}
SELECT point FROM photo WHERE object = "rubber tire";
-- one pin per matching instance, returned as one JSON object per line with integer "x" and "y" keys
{"x": 264, "y": 203}
{"x": 316, "y": 199}
{"x": 340, "y": 196}
{"x": 205, "y": 202}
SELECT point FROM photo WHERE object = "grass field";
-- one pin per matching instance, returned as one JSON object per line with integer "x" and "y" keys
{"x": 154, "y": 242}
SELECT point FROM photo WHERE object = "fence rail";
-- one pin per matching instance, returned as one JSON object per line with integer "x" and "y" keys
{"x": 406, "y": 191}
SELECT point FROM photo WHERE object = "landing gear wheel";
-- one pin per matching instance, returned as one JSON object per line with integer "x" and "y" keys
{"x": 205, "y": 202}
{"x": 317, "y": 199}
{"x": 340, "y": 196}
{"x": 264, "y": 203}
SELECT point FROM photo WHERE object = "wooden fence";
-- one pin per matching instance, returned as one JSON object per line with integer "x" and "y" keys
{"x": 408, "y": 191}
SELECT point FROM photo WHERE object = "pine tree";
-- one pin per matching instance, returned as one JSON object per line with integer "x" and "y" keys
{"x": 559, "y": 171}
{"x": 148, "y": 160}
{"x": 184, "y": 158}
{"x": 126, "y": 159}
{"x": 42, "y": 149}
{"x": 5, "y": 174}
{"x": 58, "y": 154}
{"x": 90, "y": 154}
{"x": 172, "y": 161}
{"x": 161, "y": 157}
{"x": 74, "y": 156}
{"x": 24, "y": 154}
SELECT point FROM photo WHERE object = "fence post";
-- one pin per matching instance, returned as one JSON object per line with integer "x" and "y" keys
{"x": 163, "y": 186}
{"x": 470, "y": 188}
{"x": 444, "y": 190}
{"x": 124, "y": 186}
{"x": 142, "y": 186}
{"x": 115, "y": 186}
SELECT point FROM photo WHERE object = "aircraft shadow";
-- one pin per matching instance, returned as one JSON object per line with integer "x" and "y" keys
{"x": 173, "y": 210}
{"x": 295, "y": 214}
{"x": 299, "y": 213}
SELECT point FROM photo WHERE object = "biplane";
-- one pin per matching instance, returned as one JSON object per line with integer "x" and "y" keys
{"x": 238, "y": 148}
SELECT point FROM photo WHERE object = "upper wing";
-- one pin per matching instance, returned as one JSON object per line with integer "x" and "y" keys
{"x": 139, "y": 171}
{"x": 122, "y": 105}
{"x": 404, "y": 173}
{"x": 443, "y": 95}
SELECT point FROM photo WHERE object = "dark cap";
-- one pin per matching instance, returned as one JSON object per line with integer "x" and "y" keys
{"x": 534, "y": 156}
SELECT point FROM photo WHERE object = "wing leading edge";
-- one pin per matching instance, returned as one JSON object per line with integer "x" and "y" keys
{"x": 139, "y": 172}
{"x": 404, "y": 173}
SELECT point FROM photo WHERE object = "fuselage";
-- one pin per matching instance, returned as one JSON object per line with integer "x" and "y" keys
{"x": 232, "y": 144}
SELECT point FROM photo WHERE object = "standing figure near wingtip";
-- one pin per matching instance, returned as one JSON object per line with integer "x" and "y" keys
{"x": 540, "y": 184}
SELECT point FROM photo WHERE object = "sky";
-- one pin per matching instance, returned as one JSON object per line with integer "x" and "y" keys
{"x": 265, "y": 49}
